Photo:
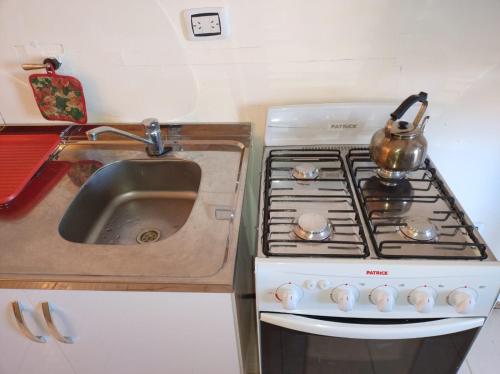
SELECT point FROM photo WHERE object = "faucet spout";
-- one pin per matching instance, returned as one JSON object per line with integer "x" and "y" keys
{"x": 153, "y": 140}
{"x": 94, "y": 134}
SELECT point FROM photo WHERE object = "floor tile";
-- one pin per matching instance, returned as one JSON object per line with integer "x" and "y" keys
{"x": 484, "y": 357}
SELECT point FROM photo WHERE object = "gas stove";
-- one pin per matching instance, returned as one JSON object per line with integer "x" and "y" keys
{"x": 325, "y": 210}
{"x": 340, "y": 242}
{"x": 314, "y": 198}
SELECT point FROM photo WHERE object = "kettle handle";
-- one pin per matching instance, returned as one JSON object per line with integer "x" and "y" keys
{"x": 407, "y": 103}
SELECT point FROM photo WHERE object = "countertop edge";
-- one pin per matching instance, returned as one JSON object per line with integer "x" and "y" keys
{"x": 114, "y": 286}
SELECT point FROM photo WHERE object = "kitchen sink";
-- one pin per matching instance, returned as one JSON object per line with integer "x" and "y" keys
{"x": 132, "y": 202}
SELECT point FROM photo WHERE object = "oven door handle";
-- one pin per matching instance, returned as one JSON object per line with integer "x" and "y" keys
{"x": 366, "y": 331}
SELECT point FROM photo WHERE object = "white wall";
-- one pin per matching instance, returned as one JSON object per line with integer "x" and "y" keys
{"x": 134, "y": 62}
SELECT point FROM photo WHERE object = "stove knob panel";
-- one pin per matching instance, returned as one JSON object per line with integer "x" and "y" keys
{"x": 345, "y": 297}
{"x": 289, "y": 295}
{"x": 463, "y": 300}
{"x": 384, "y": 297}
{"x": 423, "y": 298}
{"x": 324, "y": 284}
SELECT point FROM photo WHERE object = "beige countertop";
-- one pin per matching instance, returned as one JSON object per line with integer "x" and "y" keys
{"x": 199, "y": 257}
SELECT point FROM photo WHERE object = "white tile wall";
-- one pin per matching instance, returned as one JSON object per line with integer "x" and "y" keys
{"x": 134, "y": 62}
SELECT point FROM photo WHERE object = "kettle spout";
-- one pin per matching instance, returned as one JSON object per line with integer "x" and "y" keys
{"x": 421, "y": 127}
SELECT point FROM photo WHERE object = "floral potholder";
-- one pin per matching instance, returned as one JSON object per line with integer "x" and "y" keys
{"x": 59, "y": 97}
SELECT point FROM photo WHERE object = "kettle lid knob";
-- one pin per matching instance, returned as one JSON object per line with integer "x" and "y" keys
{"x": 403, "y": 125}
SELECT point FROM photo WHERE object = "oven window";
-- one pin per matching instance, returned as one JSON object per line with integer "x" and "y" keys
{"x": 285, "y": 351}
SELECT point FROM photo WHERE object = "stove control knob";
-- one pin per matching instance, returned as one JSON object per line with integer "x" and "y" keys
{"x": 463, "y": 299}
{"x": 384, "y": 298}
{"x": 289, "y": 295}
{"x": 309, "y": 285}
{"x": 345, "y": 297}
{"x": 324, "y": 284}
{"x": 423, "y": 298}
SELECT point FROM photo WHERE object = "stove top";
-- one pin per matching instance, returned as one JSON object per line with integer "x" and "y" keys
{"x": 416, "y": 217}
{"x": 310, "y": 214}
{"x": 330, "y": 201}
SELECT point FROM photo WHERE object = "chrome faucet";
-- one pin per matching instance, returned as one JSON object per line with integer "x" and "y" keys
{"x": 153, "y": 140}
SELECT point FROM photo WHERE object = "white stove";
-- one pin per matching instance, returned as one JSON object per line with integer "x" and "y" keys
{"x": 344, "y": 256}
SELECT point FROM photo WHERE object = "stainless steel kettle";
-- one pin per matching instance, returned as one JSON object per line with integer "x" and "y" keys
{"x": 400, "y": 147}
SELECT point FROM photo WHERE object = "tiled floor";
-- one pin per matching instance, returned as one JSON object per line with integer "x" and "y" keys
{"x": 484, "y": 357}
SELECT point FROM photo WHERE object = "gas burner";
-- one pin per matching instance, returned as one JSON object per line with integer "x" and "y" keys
{"x": 312, "y": 226}
{"x": 387, "y": 200}
{"x": 305, "y": 171}
{"x": 390, "y": 177}
{"x": 419, "y": 228}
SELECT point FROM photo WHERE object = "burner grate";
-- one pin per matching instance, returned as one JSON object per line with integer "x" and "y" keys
{"x": 329, "y": 194}
{"x": 423, "y": 195}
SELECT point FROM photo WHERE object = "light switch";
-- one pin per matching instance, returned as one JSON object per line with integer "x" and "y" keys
{"x": 206, "y": 23}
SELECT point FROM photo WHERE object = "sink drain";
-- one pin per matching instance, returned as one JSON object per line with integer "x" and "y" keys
{"x": 148, "y": 236}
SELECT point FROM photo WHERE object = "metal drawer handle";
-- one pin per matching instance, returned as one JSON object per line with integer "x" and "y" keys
{"x": 47, "y": 314}
{"x": 18, "y": 309}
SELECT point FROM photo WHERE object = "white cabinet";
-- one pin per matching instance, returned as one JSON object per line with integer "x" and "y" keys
{"x": 12, "y": 343}
{"x": 18, "y": 353}
{"x": 127, "y": 332}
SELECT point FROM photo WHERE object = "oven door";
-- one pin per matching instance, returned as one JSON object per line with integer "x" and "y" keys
{"x": 295, "y": 344}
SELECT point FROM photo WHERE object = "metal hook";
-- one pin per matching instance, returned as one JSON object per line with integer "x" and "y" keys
{"x": 50, "y": 63}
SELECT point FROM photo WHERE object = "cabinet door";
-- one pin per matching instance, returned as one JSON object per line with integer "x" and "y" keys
{"x": 141, "y": 332}
{"x": 20, "y": 354}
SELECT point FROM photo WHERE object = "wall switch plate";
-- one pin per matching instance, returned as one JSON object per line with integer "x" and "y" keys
{"x": 206, "y": 23}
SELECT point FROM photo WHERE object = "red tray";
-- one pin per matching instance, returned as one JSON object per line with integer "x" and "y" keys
{"x": 37, "y": 188}
{"x": 21, "y": 155}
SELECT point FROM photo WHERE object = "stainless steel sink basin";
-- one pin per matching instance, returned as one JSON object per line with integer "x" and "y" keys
{"x": 132, "y": 202}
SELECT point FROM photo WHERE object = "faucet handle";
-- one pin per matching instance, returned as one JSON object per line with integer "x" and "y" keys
{"x": 153, "y": 133}
{"x": 151, "y": 124}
